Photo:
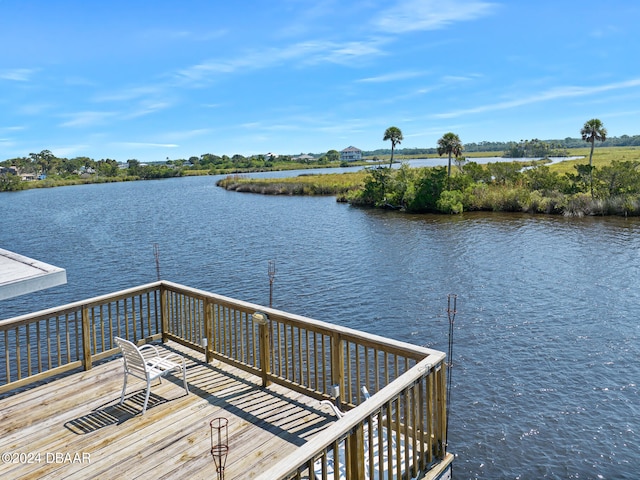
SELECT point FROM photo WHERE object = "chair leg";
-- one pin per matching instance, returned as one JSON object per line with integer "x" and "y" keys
{"x": 184, "y": 377}
{"x": 124, "y": 388}
{"x": 146, "y": 397}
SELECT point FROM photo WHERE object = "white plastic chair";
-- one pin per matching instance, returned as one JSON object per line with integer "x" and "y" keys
{"x": 149, "y": 367}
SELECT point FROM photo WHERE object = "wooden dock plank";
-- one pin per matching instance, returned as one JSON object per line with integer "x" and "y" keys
{"x": 80, "y": 414}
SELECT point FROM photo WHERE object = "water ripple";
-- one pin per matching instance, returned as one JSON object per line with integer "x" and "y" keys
{"x": 545, "y": 375}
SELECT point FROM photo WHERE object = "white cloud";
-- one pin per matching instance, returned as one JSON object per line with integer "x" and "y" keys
{"x": 163, "y": 35}
{"x": 552, "y": 94}
{"x": 308, "y": 53}
{"x": 147, "y": 108}
{"x": 145, "y": 145}
{"x": 86, "y": 119}
{"x": 34, "y": 109}
{"x": 250, "y": 125}
{"x": 458, "y": 78}
{"x": 69, "y": 151}
{"x": 346, "y": 53}
{"x": 604, "y": 31}
{"x": 78, "y": 81}
{"x": 129, "y": 94}
{"x": 390, "y": 77}
{"x": 187, "y": 134}
{"x": 413, "y": 15}
{"x": 17, "y": 74}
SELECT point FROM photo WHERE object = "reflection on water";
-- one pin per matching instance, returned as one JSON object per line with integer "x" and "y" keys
{"x": 546, "y": 339}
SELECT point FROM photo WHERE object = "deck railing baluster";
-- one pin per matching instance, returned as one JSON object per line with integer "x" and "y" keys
{"x": 148, "y": 314}
{"x": 19, "y": 353}
{"x": 28, "y": 347}
{"x": 6, "y": 356}
{"x": 38, "y": 348}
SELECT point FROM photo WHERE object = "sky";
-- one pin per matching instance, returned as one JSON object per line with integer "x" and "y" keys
{"x": 157, "y": 80}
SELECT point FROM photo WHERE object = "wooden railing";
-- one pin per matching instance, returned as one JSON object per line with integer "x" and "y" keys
{"x": 392, "y": 435}
{"x": 406, "y": 413}
{"x": 40, "y": 345}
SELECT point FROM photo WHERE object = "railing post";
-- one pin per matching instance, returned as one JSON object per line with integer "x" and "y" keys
{"x": 355, "y": 453}
{"x": 264, "y": 342}
{"x": 337, "y": 361}
{"x": 264, "y": 332}
{"x": 164, "y": 313}
{"x": 86, "y": 339}
{"x": 441, "y": 389}
{"x": 208, "y": 331}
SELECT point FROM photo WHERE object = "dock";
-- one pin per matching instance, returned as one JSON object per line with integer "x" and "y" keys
{"x": 263, "y": 370}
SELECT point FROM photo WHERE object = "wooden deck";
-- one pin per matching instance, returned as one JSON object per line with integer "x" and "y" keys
{"x": 74, "y": 427}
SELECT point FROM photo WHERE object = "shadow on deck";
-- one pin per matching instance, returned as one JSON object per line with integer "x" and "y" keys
{"x": 76, "y": 428}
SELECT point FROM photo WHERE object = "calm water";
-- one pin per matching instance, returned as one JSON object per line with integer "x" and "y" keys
{"x": 546, "y": 342}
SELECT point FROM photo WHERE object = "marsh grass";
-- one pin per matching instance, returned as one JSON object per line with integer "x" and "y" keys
{"x": 65, "y": 182}
{"x": 339, "y": 184}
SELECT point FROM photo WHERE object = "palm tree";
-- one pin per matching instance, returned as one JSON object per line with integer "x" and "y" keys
{"x": 591, "y": 131}
{"x": 395, "y": 135}
{"x": 450, "y": 143}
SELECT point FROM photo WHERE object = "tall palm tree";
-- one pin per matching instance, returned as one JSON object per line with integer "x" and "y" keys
{"x": 591, "y": 131}
{"x": 395, "y": 135}
{"x": 450, "y": 143}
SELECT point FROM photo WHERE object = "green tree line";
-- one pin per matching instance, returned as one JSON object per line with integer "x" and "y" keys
{"x": 54, "y": 171}
{"x": 505, "y": 186}
{"x": 517, "y": 149}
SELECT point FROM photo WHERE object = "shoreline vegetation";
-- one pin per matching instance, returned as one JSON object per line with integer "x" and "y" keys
{"x": 610, "y": 186}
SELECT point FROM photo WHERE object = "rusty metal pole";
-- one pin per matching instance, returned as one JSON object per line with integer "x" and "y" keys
{"x": 156, "y": 254}
{"x": 452, "y": 309}
{"x": 271, "y": 270}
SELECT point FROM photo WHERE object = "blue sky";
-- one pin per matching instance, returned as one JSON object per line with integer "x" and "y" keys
{"x": 154, "y": 80}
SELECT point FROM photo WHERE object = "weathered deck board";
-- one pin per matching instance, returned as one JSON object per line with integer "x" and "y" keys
{"x": 80, "y": 414}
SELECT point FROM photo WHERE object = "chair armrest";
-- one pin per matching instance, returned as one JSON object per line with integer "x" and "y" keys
{"x": 152, "y": 347}
{"x": 173, "y": 356}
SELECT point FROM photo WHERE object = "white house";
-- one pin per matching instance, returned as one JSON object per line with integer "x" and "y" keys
{"x": 351, "y": 154}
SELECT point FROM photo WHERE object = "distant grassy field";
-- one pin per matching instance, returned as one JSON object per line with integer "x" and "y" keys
{"x": 601, "y": 156}
{"x": 398, "y": 158}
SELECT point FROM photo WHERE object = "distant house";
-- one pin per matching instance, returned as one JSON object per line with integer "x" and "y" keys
{"x": 6, "y": 170}
{"x": 25, "y": 177}
{"x": 350, "y": 154}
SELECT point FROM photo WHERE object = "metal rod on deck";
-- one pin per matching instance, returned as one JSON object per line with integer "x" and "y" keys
{"x": 271, "y": 269}
{"x": 156, "y": 254}
{"x": 452, "y": 309}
